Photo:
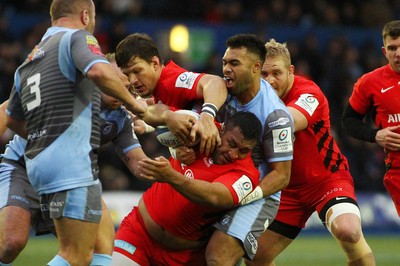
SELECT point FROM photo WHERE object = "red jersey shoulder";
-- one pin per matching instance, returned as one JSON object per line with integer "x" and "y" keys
{"x": 306, "y": 96}
{"x": 303, "y": 85}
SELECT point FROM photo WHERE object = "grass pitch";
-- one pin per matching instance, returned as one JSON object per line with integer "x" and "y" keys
{"x": 307, "y": 250}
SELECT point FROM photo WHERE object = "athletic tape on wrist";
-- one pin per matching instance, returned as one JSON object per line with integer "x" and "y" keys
{"x": 209, "y": 109}
{"x": 256, "y": 194}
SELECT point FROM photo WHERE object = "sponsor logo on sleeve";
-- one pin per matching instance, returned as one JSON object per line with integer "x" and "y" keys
{"x": 308, "y": 102}
{"x": 242, "y": 187}
{"x": 186, "y": 80}
{"x": 282, "y": 140}
{"x": 279, "y": 122}
{"x": 125, "y": 246}
{"x": 93, "y": 45}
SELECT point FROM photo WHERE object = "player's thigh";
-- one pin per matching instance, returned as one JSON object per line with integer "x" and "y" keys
{"x": 270, "y": 245}
{"x": 223, "y": 247}
{"x": 76, "y": 234}
{"x": 77, "y": 215}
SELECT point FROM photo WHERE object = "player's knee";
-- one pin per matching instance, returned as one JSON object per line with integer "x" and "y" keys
{"x": 346, "y": 232}
{"x": 343, "y": 220}
{"x": 11, "y": 247}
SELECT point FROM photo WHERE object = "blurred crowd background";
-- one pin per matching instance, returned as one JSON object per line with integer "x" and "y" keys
{"x": 332, "y": 42}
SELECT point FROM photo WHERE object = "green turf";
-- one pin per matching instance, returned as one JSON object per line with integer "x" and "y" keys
{"x": 304, "y": 251}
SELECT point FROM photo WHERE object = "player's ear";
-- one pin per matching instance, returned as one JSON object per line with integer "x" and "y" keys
{"x": 85, "y": 17}
{"x": 155, "y": 62}
{"x": 257, "y": 66}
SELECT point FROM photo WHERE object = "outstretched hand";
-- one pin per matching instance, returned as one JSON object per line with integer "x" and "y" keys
{"x": 158, "y": 169}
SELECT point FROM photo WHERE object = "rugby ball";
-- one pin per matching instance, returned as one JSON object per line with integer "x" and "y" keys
{"x": 166, "y": 138}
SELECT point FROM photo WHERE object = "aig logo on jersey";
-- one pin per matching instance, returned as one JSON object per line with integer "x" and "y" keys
{"x": 282, "y": 140}
{"x": 308, "y": 102}
{"x": 186, "y": 80}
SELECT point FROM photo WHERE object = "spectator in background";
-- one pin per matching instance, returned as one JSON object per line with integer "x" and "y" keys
{"x": 377, "y": 93}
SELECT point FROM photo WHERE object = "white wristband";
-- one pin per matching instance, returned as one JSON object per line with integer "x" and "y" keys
{"x": 148, "y": 128}
{"x": 256, "y": 194}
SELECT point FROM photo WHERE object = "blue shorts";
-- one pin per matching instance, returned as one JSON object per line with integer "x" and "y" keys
{"x": 248, "y": 222}
{"x": 82, "y": 203}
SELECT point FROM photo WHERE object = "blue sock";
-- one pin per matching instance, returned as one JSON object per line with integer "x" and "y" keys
{"x": 58, "y": 261}
{"x": 101, "y": 260}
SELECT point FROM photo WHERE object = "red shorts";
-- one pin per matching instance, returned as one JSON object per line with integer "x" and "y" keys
{"x": 298, "y": 203}
{"x": 133, "y": 241}
{"x": 391, "y": 180}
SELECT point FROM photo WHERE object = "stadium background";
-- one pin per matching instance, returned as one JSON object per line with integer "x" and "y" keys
{"x": 332, "y": 42}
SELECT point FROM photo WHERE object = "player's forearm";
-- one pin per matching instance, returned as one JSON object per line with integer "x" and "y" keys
{"x": 105, "y": 77}
{"x": 202, "y": 192}
{"x": 156, "y": 114}
{"x": 353, "y": 124}
{"x": 3, "y": 122}
{"x": 214, "y": 91}
{"x": 131, "y": 159}
{"x": 272, "y": 183}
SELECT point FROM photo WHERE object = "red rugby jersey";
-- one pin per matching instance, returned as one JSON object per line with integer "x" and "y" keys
{"x": 379, "y": 91}
{"x": 190, "y": 220}
{"x": 316, "y": 154}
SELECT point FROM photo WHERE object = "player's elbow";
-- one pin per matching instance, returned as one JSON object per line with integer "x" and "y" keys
{"x": 19, "y": 127}
{"x": 220, "y": 201}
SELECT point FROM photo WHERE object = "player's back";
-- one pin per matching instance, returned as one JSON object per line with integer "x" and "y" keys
{"x": 61, "y": 107}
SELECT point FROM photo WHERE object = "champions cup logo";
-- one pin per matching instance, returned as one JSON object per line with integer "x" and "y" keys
{"x": 183, "y": 77}
{"x": 307, "y": 102}
{"x": 247, "y": 185}
{"x": 283, "y": 135}
{"x": 282, "y": 140}
{"x": 310, "y": 99}
{"x": 186, "y": 80}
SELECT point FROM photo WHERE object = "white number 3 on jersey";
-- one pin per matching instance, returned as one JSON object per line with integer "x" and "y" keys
{"x": 34, "y": 83}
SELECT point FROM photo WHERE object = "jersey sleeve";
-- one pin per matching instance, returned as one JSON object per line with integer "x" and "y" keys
{"x": 359, "y": 100}
{"x": 310, "y": 104}
{"x": 126, "y": 139}
{"x": 86, "y": 51}
{"x": 278, "y": 136}
{"x": 240, "y": 181}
